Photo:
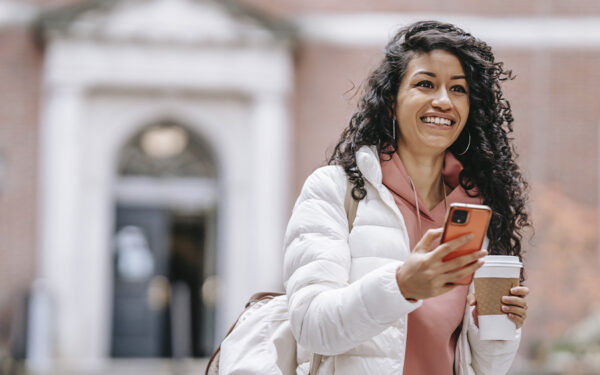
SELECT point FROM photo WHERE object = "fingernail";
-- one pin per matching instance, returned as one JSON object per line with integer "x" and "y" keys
{"x": 504, "y": 299}
{"x": 483, "y": 252}
{"x": 504, "y": 308}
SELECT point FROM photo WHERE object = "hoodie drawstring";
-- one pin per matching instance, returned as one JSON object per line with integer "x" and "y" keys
{"x": 412, "y": 185}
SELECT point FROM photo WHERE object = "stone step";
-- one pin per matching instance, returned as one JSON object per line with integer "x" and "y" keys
{"x": 143, "y": 367}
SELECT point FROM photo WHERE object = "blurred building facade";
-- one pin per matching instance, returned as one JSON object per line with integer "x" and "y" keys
{"x": 151, "y": 151}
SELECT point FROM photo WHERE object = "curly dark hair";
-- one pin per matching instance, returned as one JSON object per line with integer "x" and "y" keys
{"x": 489, "y": 163}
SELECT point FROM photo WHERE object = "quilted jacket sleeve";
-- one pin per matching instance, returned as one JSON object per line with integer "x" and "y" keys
{"x": 493, "y": 357}
{"x": 329, "y": 315}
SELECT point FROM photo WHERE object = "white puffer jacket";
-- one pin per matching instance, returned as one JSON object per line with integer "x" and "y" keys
{"x": 343, "y": 298}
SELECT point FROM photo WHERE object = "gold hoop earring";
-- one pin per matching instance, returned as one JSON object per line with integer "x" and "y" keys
{"x": 468, "y": 145}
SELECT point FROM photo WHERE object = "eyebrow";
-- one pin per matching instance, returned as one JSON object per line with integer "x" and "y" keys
{"x": 434, "y": 76}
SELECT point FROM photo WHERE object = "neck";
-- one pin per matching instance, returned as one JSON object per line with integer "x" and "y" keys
{"x": 426, "y": 174}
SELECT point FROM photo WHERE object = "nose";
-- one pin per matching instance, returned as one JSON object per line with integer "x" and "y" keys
{"x": 441, "y": 100}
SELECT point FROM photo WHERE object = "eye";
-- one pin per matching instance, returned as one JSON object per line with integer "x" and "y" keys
{"x": 459, "y": 88}
{"x": 425, "y": 83}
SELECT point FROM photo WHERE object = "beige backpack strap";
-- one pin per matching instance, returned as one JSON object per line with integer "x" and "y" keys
{"x": 350, "y": 205}
{"x": 315, "y": 363}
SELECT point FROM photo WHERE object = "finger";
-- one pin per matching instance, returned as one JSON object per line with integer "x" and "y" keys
{"x": 428, "y": 238}
{"x": 517, "y": 320}
{"x": 471, "y": 299}
{"x": 520, "y": 291}
{"x": 450, "y": 277}
{"x": 515, "y": 301}
{"x": 515, "y": 310}
{"x": 462, "y": 261}
{"x": 448, "y": 247}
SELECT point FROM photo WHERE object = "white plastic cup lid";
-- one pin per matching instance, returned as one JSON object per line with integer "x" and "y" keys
{"x": 502, "y": 260}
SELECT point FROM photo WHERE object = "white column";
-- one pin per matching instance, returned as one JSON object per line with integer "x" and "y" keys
{"x": 94, "y": 247}
{"x": 59, "y": 220}
{"x": 270, "y": 186}
{"x": 234, "y": 225}
{"x": 254, "y": 208}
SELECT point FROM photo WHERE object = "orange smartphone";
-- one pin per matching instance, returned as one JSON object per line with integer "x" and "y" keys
{"x": 461, "y": 219}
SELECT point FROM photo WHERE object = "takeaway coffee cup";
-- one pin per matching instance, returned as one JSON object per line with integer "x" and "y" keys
{"x": 494, "y": 280}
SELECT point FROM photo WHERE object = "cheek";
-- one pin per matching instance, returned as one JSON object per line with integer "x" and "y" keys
{"x": 408, "y": 106}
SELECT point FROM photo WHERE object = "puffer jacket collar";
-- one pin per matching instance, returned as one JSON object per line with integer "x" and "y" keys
{"x": 367, "y": 161}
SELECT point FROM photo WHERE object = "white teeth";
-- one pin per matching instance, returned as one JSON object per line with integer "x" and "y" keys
{"x": 437, "y": 120}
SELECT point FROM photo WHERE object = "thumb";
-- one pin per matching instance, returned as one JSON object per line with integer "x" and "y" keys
{"x": 427, "y": 240}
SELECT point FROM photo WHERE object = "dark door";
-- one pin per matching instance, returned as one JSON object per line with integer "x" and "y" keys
{"x": 141, "y": 249}
{"x": 186, "y": 270}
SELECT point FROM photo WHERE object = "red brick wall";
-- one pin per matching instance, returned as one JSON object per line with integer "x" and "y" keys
{"x": 19, "y": 87}
{"x": 574, "y": 110}
{"x": 557, "y": 118}
{"x": 475, "y": 7}
{"x": 324, "y": 102}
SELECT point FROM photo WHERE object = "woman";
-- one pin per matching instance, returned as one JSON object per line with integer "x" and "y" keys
{"x": 430, "y": 130}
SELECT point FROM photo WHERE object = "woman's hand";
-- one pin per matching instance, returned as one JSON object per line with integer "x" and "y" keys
{"x": 424, "y": 274}
{"x": 514, "y": 305}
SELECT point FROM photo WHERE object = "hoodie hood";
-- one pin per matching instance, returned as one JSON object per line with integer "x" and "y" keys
{"x": 396, "y": 179}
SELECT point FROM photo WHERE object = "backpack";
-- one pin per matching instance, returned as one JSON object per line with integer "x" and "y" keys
{"x": 261, "y": 341}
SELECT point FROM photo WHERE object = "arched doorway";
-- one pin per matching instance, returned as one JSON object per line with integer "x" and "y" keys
{"x": 164, "y": 245}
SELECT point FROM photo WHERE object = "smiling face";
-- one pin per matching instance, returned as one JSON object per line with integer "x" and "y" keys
{"x": 432, "y": 104}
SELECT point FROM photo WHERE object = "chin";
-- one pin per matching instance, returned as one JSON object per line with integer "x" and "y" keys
{"x": 438, "y": 147}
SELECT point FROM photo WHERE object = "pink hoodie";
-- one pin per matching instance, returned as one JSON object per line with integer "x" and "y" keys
{"x": 433, "y": 328}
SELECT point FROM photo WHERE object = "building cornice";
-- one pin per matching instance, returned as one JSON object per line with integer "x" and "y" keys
{"x": 63, "y": 20}
{"x": 375, "y": 29}
{"x": 17, "y": 13}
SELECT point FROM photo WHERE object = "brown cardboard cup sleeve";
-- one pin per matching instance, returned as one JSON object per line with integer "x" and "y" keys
{"x": 489, "y": 292}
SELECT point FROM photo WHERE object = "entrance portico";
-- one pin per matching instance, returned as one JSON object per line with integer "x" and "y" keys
{"x": 109, "y": 71}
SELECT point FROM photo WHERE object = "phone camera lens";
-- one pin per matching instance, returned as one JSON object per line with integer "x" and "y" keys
{"x": 459, "y": 216}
